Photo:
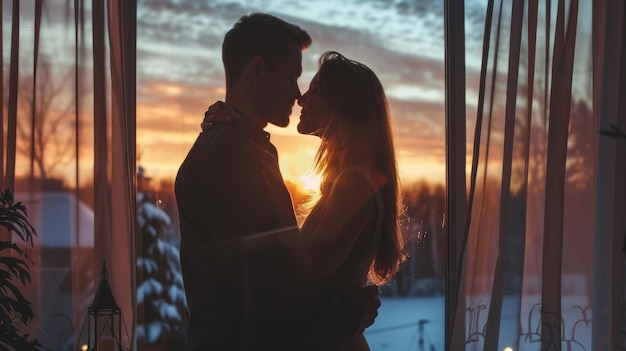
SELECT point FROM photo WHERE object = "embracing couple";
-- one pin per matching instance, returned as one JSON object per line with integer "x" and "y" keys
{"x": 255, "y": 280}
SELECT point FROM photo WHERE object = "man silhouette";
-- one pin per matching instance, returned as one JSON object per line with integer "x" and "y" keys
{"x": 245, "y": 269}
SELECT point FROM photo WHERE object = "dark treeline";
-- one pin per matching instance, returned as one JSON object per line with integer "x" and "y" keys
{"x": 422, "y": 222}
{"x": 422, "y": 273}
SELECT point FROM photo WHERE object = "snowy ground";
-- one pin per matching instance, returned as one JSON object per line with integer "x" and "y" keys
{"x": 397, "y": 325}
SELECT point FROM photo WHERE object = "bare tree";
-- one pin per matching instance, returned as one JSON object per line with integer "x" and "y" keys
{"x": 45, "y": 136}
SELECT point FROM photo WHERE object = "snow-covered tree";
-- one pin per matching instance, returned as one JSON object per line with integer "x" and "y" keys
{"x": 161, "y": 297}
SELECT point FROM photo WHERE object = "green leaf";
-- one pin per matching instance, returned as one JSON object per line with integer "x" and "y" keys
{"x": 17, "y": 267}
{"x": 13, "y": 305}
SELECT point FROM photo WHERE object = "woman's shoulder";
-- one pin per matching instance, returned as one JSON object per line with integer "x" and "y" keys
{"x": 352, "y": 188}
{"x": 355, "y": 179}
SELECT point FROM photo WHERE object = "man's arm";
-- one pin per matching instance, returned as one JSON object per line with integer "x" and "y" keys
{"x": 351, "y": 197}
{"x": 349, "y": 207}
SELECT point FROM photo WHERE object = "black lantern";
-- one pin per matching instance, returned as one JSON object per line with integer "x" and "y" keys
{"x": 104, "y": 326}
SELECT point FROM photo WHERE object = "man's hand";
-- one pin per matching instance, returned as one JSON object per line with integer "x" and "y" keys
{"x": 218, "y": 112}
{"x": 356, "y": 309}
{"x": 371, "y": 301}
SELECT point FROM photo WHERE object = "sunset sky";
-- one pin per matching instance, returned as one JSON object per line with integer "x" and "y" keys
{"x": 180, "y": 73}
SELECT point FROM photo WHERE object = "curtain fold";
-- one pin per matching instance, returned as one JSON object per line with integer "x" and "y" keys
{"x": 102, "y": 207}
{"x": 7, "y": 169}
{"x": 455, "y": 329}
{"x": 2, "y": 89}
{"x": 79, "y": 280}
{"x": 609, "y": 64}
{"x": 494, "y": 318}
{"x": 9, "y": 175}
{"x": 114, "y": 157}
{"x": 122, "y": 34}
{"x": 559, "y": 120}
{"x": 619, "y": 248}
{"x": 69, "y": 156}
{"x": 527, "y": 258}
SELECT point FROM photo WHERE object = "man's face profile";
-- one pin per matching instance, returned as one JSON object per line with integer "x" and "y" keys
{"x": 280, "y": 89}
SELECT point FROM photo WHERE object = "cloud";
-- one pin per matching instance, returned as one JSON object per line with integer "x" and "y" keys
{"x": 180, "y": 70}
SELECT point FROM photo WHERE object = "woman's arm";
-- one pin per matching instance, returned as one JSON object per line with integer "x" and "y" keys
{"x": 350, "y": 207}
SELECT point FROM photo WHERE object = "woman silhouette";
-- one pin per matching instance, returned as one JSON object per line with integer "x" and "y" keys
{"x": 353, "y": 232}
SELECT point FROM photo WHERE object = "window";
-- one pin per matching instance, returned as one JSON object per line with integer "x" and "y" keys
{"x": 180, "y": 74}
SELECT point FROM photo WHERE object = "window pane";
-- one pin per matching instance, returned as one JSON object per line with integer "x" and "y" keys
{"x": 180, "y": 74}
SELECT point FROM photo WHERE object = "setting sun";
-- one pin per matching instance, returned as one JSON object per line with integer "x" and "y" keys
{"x": 311, "y": 181}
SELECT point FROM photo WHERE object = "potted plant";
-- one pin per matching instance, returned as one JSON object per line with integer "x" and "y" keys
{"x": 14, "y": 267}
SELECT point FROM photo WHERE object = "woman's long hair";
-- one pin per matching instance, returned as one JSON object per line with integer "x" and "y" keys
{"x": 360, "y": 136}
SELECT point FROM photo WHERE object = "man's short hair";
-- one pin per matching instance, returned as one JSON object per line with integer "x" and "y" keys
{"x": 259, "y": 34}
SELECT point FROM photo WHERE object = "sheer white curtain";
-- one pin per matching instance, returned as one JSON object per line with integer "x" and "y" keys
{"x": 609, "y": 64}
{"x": 68, "y": 94}
{"x": 544, "y": 240}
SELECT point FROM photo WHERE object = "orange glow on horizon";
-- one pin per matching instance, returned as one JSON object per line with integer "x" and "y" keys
{"x": 311, "y": 181}
{"x": 166, "y": 132}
